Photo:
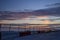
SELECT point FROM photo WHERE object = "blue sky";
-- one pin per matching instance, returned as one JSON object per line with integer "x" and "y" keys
{"x": 12, "y": 5}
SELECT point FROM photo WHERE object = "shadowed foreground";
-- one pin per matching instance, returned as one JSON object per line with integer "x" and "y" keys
{"x": 39, "y": 36}
{"x": 42, "y": 36}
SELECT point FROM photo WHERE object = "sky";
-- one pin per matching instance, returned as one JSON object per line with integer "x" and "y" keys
{"x": 35, "y": 20}
{"x": 16, "y": 5}
{"x": 45, "y": 16}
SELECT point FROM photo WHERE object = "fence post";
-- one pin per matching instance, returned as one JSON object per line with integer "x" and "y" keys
{"x": 0, "y": 27}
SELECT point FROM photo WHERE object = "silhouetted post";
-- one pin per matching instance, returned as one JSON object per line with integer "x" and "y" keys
{"x": 9, "y": 27}
{"x": 25, "y": 27}
{"x": 0, "y": 27}
{"x": 18, "y": 28}
{"x": 0, "y": 35}
{"x": 0, "y": 31}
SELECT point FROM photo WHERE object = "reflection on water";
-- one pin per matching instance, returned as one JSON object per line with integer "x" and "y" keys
{"x": 44, "y": 36}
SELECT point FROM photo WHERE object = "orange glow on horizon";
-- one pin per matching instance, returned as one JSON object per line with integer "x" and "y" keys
{"x": 42, "y": 16}
{"x": 46, "y": 22}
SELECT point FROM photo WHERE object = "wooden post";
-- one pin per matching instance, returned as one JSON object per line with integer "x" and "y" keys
{"x": 9, "y": 27}
{"x": 0, "y": 35}
{"x": 0, "y": 27}
{"x": 18, "y": 27}
{"x": 0, "y": 31}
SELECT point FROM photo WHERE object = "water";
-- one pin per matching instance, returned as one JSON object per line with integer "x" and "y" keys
{"x": 41, "y": 36}
{"x": 6, "y": 35}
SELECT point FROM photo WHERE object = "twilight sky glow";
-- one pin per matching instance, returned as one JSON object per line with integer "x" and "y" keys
{"x": 36, "y": 20}
{"x": 18, "y": 5}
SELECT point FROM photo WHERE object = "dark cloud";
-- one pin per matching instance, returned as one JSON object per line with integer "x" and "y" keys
{"x": 49, "y": 11}
{"x": 13, "y": 15}
{"x": 53, "y": 5}
{"x": 21, "y": 15}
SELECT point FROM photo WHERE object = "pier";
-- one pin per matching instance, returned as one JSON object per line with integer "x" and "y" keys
{"x": 20, "y": 30}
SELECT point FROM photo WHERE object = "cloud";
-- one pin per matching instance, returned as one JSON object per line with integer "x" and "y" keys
{"x": 28, "y": 15}
{"x": 34, "y": 20}
{"x": 13, "y": 15}
{"x": 53, "y": 5}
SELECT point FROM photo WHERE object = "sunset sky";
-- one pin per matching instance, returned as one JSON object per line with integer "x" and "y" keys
{"x": 36, "y": 20}
{"x": 21, "y": 5}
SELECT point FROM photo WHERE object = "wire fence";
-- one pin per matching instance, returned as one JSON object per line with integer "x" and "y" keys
{"x": 25, "y": 27}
